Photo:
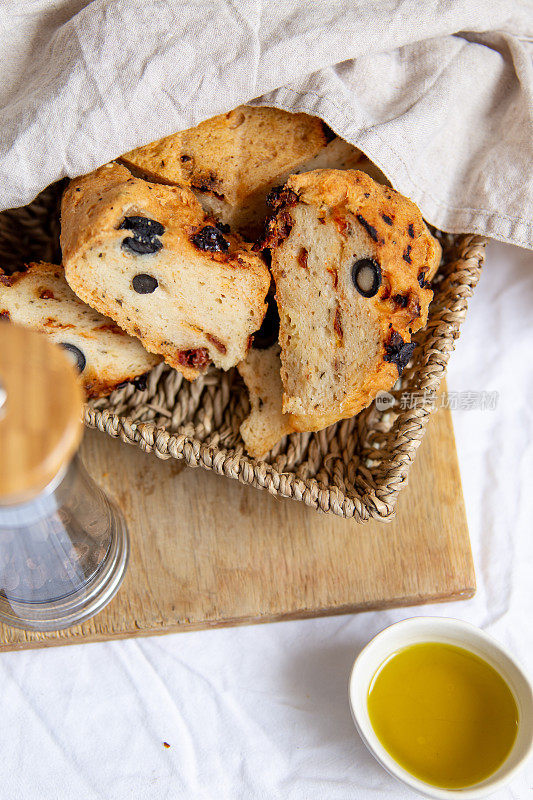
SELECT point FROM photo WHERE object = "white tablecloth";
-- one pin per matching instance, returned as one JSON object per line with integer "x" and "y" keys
{"x": 262, "y": 712}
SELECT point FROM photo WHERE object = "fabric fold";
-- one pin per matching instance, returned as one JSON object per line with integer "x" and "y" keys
{"x": 440, "y": 96}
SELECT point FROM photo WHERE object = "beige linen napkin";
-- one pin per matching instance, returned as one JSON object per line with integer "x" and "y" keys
{"x": 438, "y": 94}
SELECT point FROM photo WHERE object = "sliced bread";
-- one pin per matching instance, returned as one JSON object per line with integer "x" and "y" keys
{"x": 266, "y": 424}
{"x": 351, "y": 261}
{"x": 147, "y": 256}
{"x": 40, "y": 298}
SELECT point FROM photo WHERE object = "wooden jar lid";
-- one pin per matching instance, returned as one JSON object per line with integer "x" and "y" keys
{"x": 40, "y": 412}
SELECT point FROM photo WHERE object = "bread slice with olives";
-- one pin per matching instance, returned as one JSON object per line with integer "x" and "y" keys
{"x": 147, "y": 256}
{"x": 231, "y": 161}
{"x": 351, "y": 261}
{"x": 40, "y": 298}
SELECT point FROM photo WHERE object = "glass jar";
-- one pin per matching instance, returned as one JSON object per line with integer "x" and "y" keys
{"x": 62, "y": 555}
{"x": 63, "y": 544}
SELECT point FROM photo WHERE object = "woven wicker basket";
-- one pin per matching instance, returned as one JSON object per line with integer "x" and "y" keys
{"x": 354, "y": 468}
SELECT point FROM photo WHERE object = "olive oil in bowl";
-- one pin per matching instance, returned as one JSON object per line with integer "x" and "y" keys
{"x": 443, "y": 713}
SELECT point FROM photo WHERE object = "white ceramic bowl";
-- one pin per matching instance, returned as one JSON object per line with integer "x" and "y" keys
{"x": 462, "y": 634}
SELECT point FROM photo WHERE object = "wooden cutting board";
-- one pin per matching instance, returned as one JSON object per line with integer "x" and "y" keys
{"x": 207, "y": 551}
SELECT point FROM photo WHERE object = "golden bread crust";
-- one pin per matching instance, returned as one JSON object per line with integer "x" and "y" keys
{"x": 233, "y": 155}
